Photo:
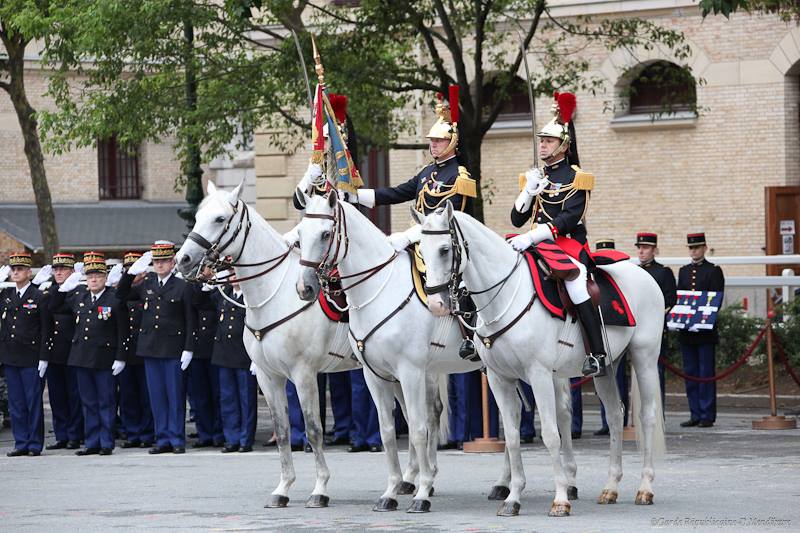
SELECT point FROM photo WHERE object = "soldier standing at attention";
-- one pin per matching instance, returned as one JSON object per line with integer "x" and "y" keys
{"x": 166, "y": 341}
{"x": 24, "y": 334}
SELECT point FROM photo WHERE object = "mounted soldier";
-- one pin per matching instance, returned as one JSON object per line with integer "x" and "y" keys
{"x": 555, "y": 199}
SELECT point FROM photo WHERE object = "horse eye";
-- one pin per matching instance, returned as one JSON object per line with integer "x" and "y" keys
{"x": 444, "y": 251}
{"x": 219, "y": 220}
{"x": 326, "y": 235}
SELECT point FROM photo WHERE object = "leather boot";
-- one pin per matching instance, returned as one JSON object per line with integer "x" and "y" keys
{"x": 467, "y": 350}
{"x": 589, "y": 317}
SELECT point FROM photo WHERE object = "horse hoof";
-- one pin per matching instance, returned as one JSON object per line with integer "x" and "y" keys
{"x": 508, "y": 509}
{"x": 277, "y": 500}
{"x": 317, "y": 501}
{"x": 572, "y": 493}
{"x": 406, "y": 488}
{"x": 385, "y": 504}
{"x": 607, "y": 497}
{"x": 419, "y": 506}
{"x": 499, "y": 492}
{"x": 644, "y": 498}
{"x": 559, "y": 509}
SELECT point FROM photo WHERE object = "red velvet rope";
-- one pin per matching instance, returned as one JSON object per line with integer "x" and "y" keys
{"x": 784, "y": 359}
{"x": 579, "y": 384}
{"x": 725, "y": 373}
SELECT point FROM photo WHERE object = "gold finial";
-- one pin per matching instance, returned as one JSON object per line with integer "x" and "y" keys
{"x": 317, "y": 62}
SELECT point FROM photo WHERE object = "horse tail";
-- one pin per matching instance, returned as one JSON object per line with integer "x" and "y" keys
{"x": 443, "y": 381}
{"x": 659, "y": 443}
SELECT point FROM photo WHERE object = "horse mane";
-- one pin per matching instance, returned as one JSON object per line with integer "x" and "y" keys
{"x": 255, "y": 218}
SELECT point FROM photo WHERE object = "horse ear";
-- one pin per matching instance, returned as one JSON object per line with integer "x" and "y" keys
{"x": 332, "y": 198}
{"x": 236, "y": 194}
{"x": 211, "y": 188}
{"x": 449, "y": 208}
{"x": 418, "y": 217}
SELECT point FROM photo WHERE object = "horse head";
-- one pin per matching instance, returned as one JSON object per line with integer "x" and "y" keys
{"x": 218, "y": 231}
{"x": 318, "y": 232}
{"x": 441, "y": 249}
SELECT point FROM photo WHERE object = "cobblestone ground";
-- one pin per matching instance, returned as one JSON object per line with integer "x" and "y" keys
{"x": 726, "y": 477}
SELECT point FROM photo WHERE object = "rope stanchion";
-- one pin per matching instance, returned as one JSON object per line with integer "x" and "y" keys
{"x": 725, "y": 373}
{"x": 785, "y": 360}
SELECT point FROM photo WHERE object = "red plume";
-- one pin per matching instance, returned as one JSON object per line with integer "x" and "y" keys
{"x": 453, "y": 97}
{"x": 566, "y": 106}
{"x": 339, "y": 105}
{"x": 439, "y": 96}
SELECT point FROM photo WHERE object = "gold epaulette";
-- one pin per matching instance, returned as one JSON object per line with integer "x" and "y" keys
{"x": 584, "y": 181}
{"x": 465, "y": 185}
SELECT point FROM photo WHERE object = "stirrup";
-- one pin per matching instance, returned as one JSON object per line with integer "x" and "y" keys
{"x": 594, "y": 366}
{"x": 468, "y": 352}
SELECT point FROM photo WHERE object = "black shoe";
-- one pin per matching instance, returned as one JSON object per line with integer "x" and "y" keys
{"x": 308, "y": 448}
{"x": 602, "y": 431}
{"x": 192, "y": 435}
{"x": 245, "y": 449}
{"x": 17, "y": 453}
{"x": 6, "y": 423}
{"x": 270, "y": 443}
{"x": 230, "y": 449}
{"x": 298, "y": 447}
{"x": 360, "y": 448}
{"x": 341, "y": 441}
{"x": 218, "y": 444}
{"x": 589, "y": 317}
{"x": 203, "y": 444}
{"x": 160, "y": 449}
{"x": 146, "y": 444}
{"x": 376, "y": 448}
{"x": 106, "y": 451}
{"x": 57, "y": 445}
{"x": 690, "y": 423}
{"x": 88, "y": 451}
{"x": 705, "y": 424}
{"x": 527, "y": 440}
{"x": 34, "y": 453}
{"x": 576, "y": 435}
{"x": 73, "y": 444}
{"x": 130, "y": 444}
{"x": 468, "y": 352}
{"x": 449, "y": 445}
{"x": 178, "y": 450}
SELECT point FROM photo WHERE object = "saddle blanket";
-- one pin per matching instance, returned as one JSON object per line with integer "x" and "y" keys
{"x": 331, "y": 304}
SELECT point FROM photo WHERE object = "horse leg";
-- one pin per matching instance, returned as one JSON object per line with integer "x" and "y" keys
{"x": 651, "y": 421}
{"x": 274, "y": 388}
{"x": 383, "y": 397}
{"x": 505, "y": 393}
{"x": 435, "y": 410}
{"x": 564, "y": 414}
{"x": 606, "y": 387}
{"x": 308, "y": 394}
{"x": 541, "y": 380}
{"x": 500, "y": 488}
{"x": 415, "y": 390}
{"x": 412, "y": 469}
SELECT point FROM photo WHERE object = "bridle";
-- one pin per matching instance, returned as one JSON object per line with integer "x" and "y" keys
{"x": 213, "y": 252}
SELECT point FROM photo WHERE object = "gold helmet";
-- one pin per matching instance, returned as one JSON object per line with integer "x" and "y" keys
{"x": 561, "y": 124}
{"x": 446, "y": 125}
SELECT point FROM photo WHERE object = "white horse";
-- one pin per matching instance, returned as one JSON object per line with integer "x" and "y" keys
{"x": 526, "y": 342}
{"x": 285, "y": 347}
{"x": 392, "y": 333}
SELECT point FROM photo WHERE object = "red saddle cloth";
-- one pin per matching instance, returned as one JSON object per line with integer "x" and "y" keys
{"x": 331, "y": 305}
{"x": 613, "y": 304}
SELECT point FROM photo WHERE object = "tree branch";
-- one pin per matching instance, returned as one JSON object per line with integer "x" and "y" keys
{"x": 455, "y": 50}
{"x": 331, "y": 14}
{"x": 438, "y": 63}
{"x": 480, "y": 27}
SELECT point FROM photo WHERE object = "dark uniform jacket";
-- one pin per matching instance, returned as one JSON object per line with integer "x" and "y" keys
{"x": 666, "y": 282}
{"x": 63, "y": 328}
{"x": 25, "y": 328}
{"x": 702, "y": 276}
{"x": 206, "y": 325}
{"x": 229, "y": 350}
{"x": 100, "y": 328}
{"x": 432, "y": 187}
{"x": 562, "y": 204}
{"x": 168, "y": 316}
{"x": 132, "y": 339}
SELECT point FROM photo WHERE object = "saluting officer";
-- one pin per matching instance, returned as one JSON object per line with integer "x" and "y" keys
{"x": 98, "y": 349}
{"x": 238, "y": 390}
{"x": 647, "y": 248}
{"x": 62, "y": 379}
{"x": 134, "y": 402}
{"x": 698, "y": 348}
{"x": 24, "y": 334}
{"x": 166, "y": 341}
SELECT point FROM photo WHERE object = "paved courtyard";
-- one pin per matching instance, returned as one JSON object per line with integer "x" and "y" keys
{"x": 729, "y": 476}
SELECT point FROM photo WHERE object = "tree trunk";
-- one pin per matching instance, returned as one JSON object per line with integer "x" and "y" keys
{"x": 194, "y": 172}
{"x": 470, "y": 157}
{"x": 26, "y": 116}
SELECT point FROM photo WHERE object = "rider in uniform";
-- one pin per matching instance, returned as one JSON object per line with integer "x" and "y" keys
{"x": 555, "y": 199}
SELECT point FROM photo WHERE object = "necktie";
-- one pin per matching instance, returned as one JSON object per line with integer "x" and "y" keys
{"x": 160, "y": 283}
{"x": 94, "y": 298}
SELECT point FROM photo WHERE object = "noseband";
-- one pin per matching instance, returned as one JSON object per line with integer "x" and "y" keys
{"x": 457, "y": 244}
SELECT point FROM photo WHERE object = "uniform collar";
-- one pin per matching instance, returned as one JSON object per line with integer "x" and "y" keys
{"x": 237, "y": 294}
{"x": 698, "y": 263}
{"x": 649, "y": 263}
{"x": 21, "y": 291}
{"x": 557, "y": 164}
{"x": 445, "y": 162}
{"x": 165, "y": 279}
{"x": 98, "y": 295}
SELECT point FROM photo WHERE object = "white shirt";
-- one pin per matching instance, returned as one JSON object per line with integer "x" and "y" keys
{"x": 163, "y": 281}
{"x": 21, "y": 291}
{"x": 97, "y": 296}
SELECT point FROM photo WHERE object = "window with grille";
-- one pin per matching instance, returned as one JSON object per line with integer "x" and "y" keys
{"x": 118, "y": 170}
{"x": 662, "y": 87}
{"x": 515, "y": 101}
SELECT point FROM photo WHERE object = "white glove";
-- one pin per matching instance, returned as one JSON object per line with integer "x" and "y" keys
{"x": 71, "y": 282}
{"x": 312, "y": 176}
{"x": 291, "y": 237}
{"x": 42, "y": 368}
{"x": 43, "y": 275}
{"x": 177, "y": 274}
{"x": 525, "y": 240}
{"x": 114, "y": 275}
{"x": 79, "y": 267}
{"x": 186, "y": 358}
{"x": 117, "y": 367}
{"x": 535, "y": 182}
{"x": 348, "y": 197}
{"x": 141, "y": 264}
{"x": 207, "y": 288}
{"x": 5, "y": 270}
{"x": 399, "y": 241}
{"x": 253, "y": 368}
{"x": 366, "y": 197}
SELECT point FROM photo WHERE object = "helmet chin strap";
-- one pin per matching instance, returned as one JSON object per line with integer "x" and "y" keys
{"x": 560, "y": 150}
